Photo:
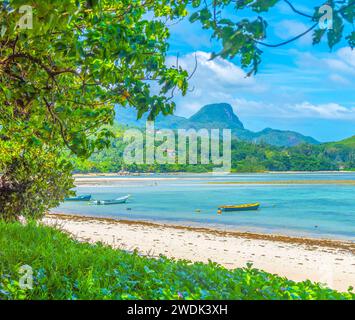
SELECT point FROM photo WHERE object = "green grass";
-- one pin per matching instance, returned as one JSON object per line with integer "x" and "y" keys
{"x": 66, "y": 269}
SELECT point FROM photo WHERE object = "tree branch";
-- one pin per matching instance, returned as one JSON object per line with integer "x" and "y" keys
{"x": 297, "y": 11}
{"x": 61, "y": 126}
{"x": 51, "y": 73}
{"x": 288, "y": 41}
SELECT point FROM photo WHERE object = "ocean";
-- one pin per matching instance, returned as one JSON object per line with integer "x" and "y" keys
{"x": 310, "y": 210}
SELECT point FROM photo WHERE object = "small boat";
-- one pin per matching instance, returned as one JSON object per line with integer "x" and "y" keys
{"x": 241, "y": 207}
{"x": 86, "y": 197}
{"x": 111, "y": 202}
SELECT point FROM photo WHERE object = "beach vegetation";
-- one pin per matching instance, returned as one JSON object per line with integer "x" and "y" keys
{"x": 66, "y": 269}
{"x": 33, "y": 181}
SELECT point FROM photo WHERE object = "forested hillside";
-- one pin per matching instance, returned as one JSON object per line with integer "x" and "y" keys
{"x": 246, "y": 157}
{"x": 349, "y": 142}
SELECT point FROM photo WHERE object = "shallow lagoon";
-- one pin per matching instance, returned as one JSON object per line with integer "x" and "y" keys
{"x": 320, "y": 210}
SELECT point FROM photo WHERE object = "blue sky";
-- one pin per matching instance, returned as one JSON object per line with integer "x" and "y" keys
{"x": 299, "y": 86}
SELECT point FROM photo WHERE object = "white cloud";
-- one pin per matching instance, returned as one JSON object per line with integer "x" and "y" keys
{"x": 347, "y": 55}
{"x": 219, "y": 80}
{"x": 284, "y": 8}
{"x": 345, "y": 62}
{"x": 305, "y": 109}
{"x": 338, "y": 66}
{"x": 214, "y": 81}
{"x": 339, "y": 79}
{"x": 288, "y": 29}
{"x": 215, "y": 71}
{"x": 325, "y": 111}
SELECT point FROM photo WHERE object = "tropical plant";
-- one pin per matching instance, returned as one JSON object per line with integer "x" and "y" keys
{"x": 67, "y": 269}
{"x": 33, "y": 181}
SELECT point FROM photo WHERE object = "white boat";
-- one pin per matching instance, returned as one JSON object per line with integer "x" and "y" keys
{"x": 110, "y": 202}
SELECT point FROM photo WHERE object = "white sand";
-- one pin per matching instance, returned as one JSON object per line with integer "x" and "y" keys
{"x": 331, "y": 263}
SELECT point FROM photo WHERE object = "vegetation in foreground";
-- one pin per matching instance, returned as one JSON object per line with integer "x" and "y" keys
{"x": 66, "y": 269}
{"x": 246, "y": 157}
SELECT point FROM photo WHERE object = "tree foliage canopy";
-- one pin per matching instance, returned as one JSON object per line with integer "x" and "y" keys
{"x": 245, "y": 37}
{"x": 61, "y": 79}
{"x": 35, "y": 180}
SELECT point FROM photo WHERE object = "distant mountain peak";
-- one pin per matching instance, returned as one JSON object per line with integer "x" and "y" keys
{"x": 217, "y": 116}
{"x": 282, "y": 137}
{"x": 220, "y": 113}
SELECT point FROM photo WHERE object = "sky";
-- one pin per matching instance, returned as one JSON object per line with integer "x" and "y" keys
{"x": 299, "y": 87}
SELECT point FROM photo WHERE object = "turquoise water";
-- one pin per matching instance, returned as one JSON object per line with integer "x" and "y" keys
{"x": 311, "y": 210}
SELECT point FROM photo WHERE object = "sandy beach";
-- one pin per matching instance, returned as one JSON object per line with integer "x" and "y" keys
{"x": 326, "y": 261}
{"x": 105, "y": 180}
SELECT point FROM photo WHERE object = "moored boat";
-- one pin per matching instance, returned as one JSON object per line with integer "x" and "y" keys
{"x": 86, "y": 197}
{"x": 111, "y": 202}
{"x": 241, "y": 207}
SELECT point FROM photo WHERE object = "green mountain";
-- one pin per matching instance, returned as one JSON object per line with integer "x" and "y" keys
{"x": 282, "y": 138}
{"x": 218, "y": 116}
{"x": 349, "y": 142}
{"x": 246, "y": 157}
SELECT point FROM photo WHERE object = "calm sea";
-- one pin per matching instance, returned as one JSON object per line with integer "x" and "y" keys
{"x": 325, "y": 210}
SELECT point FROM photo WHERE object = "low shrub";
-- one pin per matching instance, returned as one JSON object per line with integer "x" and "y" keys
{"x": 66, "y": 269}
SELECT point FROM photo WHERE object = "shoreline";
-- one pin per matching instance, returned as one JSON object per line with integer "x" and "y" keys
{"x": 345, "y": 245}
{"x": 147, "y": 174}
{"x": 178, "y": 175}
{"x": 287, "y": 182}
{"x": 106, "y": 180}
{"x": 320, "y": 260}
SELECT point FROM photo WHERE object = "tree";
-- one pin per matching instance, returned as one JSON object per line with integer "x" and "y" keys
{"x": 60, "y": 80}
{"x": 245, "y": 37}
{"x": 64, "y": 64}
{"x": 34, "y": 181}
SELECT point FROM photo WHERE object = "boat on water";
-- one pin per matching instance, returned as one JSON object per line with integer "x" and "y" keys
{"x": 86, "y": 197}
{"x": 111, "y": 202}
{"x": 241, "y": 207}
